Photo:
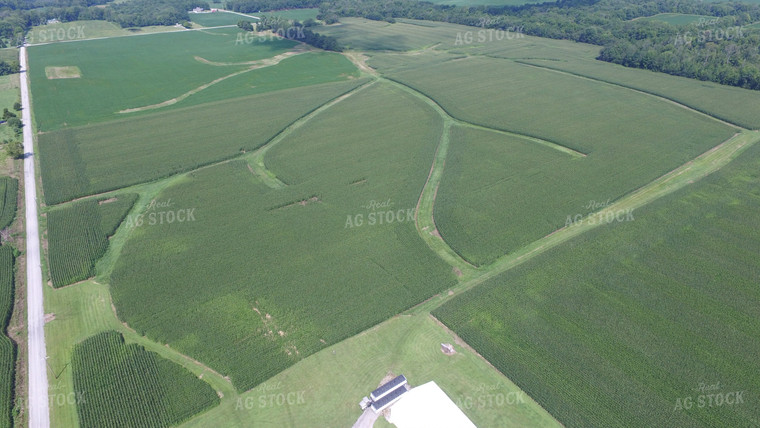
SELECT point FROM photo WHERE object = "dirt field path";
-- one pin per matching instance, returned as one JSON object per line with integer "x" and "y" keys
{"x": 255, "y": 65}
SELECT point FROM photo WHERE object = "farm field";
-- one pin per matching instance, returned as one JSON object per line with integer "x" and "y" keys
{"x": 329, "y": 207}
{"x": 8, "y": 200}
{"x": 125, "y": 385}
{"x": 297, "y": 242}
{"x": 152, "y": 76}
{"x": 219, "y": 18}
{"x": 732, "y": 104}
{"x": 83, "y": 30}
{"x": 607, "y": 346}
{"x": 93, "y": 159}
{"x": 336, "y": 377}
{"x": 78, "y": 235}
{"x": 299, "y": 14}
{"x": 405, "y": 35}
{"x": 7, "y": 347}
{"x": 483, "y": 216}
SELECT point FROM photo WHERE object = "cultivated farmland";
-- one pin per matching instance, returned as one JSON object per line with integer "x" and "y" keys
{"x": 99, "y": 93}
{"x": 78, "y": 235}
{"x": 732, "y": 104}
{"x": 484, "y": 214}
{"x": 8, "y": 200}
{"x": 93, "y": 159}
{"x": 627, "y": 325}
{"x": 7, "y": 347}
{"x": 125, "y": 385}
{"x": 287, "y": 261}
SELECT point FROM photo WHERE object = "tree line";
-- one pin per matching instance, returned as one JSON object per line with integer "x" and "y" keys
{"x": 293, "y": 30}
{"x": 725, "y": 51}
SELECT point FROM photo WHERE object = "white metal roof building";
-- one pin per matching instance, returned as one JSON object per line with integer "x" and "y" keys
{"x": 427, "y": 406}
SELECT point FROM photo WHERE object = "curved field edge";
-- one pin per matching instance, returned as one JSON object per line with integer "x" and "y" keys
{"x": 279, "y": 240}
{"x": 684, "y": 284}
{"x": 99, "y": 158}
{"x": 124, "y": 383}
{"x": 726, "y": 103}
{"x": 82, "y": 311}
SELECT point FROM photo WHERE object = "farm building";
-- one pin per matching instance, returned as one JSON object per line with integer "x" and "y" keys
{"x": 388, "y": 393}
{"x": 428, "y": 406}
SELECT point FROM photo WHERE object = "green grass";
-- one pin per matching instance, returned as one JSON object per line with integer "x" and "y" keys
{"x": 78, "y": 235}
{"x": 148, "y": 65}
{"x": 9, "y": 94}
{"x": 301, "y": 263}
{"x": 678, "y": 18}
{"x": 732, "y": 104}
{"x": 93, "y": 159}
{"x": 215, "y": 19}
{"x": 521, "y": 195}
{"x": 299, "y": 14}
{"x": 7, "y": 347}
{"x": 80, "y": 312}
{"x": 8, "y": 200}
{"x": 84, "y": 30}
{"x": 613, "y": 328}
{"x": 404, "y": 35}
{"x": 125, "y": 385}
{"x": 334, "y": 380}
{"x": 9, "y": 54}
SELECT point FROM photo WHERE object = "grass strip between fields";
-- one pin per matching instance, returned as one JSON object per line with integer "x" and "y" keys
{"x": 701, "y": 166}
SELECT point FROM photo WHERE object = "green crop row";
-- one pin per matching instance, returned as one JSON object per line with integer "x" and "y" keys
{"x": 93, "y": 159}
{"x": 8, "y": 198}
{"x": 7, "y": 347}
{"x": 262, "y": 277}
{"x": 123, "y": 385}
{"x": 78, "y": 235}
{"x": 643, "y": 322}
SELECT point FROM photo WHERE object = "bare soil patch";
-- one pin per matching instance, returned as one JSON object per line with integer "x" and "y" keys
{"x": 66, "y": 72}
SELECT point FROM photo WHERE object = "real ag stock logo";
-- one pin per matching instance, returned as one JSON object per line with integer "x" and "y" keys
{"x": 710, "y": 395}
{"x": 57, "y": 34}
{"x": 161, "y": 212}
{"x": 379, "y": 212}
{"x": 488, "y": 35}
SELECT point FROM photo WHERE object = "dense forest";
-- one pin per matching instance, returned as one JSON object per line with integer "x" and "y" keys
{"x": 724, "y": 51}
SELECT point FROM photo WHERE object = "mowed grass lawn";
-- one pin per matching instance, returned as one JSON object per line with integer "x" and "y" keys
{"x": 263, "y": 278}
{"x": 639, "y": 323}
{"x": 521, "y": 193}
{"x": 130, "y": 72}
{"x": 334, "y": 379}
{"x": 102, "y": 157}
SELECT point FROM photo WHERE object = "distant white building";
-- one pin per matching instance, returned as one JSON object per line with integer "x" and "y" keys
{"x": 427, "y": 406}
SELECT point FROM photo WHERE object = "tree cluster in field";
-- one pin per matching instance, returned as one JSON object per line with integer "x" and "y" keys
{"x": 294, "y": 30}
{"x": 12, "y": 67}
{"x": 717, "y": 52}
{"x": 13, "y": 148}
